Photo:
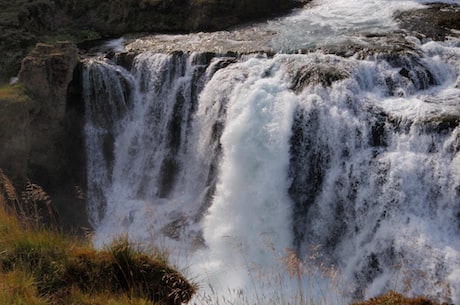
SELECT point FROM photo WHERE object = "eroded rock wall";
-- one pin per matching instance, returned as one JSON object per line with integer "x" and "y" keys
{"x": 44, "y": 132}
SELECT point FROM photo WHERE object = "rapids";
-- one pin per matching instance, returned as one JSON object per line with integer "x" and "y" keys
{"x": 312, "y": 157}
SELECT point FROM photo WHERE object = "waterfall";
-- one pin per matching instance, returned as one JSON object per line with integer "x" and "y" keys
{"x": 234, "y": 162}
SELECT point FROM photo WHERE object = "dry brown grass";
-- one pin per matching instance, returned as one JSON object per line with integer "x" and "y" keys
{"x": 394, "y": 298}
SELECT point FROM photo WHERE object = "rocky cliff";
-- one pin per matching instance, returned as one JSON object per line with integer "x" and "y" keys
{"x": 42, "y": 128}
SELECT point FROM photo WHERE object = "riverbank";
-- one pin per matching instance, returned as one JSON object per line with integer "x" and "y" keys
{"x": 26, "y": 23}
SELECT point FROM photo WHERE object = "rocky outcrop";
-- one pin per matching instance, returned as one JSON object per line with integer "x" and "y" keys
{"x": 436, "y": 22}
{"x": 45, "y": 76}
{"x": 45, "y": 131}
{"x": 46, "y": 73}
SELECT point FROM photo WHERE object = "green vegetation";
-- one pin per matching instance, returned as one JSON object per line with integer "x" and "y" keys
{"x": 40, "y": 265}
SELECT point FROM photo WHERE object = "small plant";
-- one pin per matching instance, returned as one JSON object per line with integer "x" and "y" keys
{"x": 316, "y": 279}
{"x": 36, "y": 198}
{"x": 32, "y": 207}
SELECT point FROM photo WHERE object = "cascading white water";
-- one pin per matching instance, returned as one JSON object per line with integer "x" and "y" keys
{"x": 229, "y": 160}
{"x": 387, "y": 201}
{"x": 250, "y": 209}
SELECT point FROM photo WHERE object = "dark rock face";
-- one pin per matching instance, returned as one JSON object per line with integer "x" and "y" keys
{"x": 46, "y": 73}
{"x": 317, "y": 74}
{"x": 48, "y": 147}
{"x": 16, "y": 110}
{"x": 45, "y": 76}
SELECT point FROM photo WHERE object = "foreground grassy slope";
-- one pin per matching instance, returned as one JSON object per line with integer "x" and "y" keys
{"x": 41, "y": 266}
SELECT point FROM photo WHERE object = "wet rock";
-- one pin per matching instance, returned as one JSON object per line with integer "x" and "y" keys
{"x": 440, "y": 125}
{"x": 412, "y": 68}
{"x": 317, "y": 74}
{"x": 323, "y": 71}
{"x": 378, "y": 135}
{"x": 174, "y": 229}
{"x": 307, "y": 167}
{"x": 436, "y": 22}
{"x": 372, "y": 44}
{"x": 398, "y": 51}
{"x": 126, "y": 59}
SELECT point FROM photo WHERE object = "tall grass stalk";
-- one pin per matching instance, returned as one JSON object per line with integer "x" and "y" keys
{"x": 289, "y": 280}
